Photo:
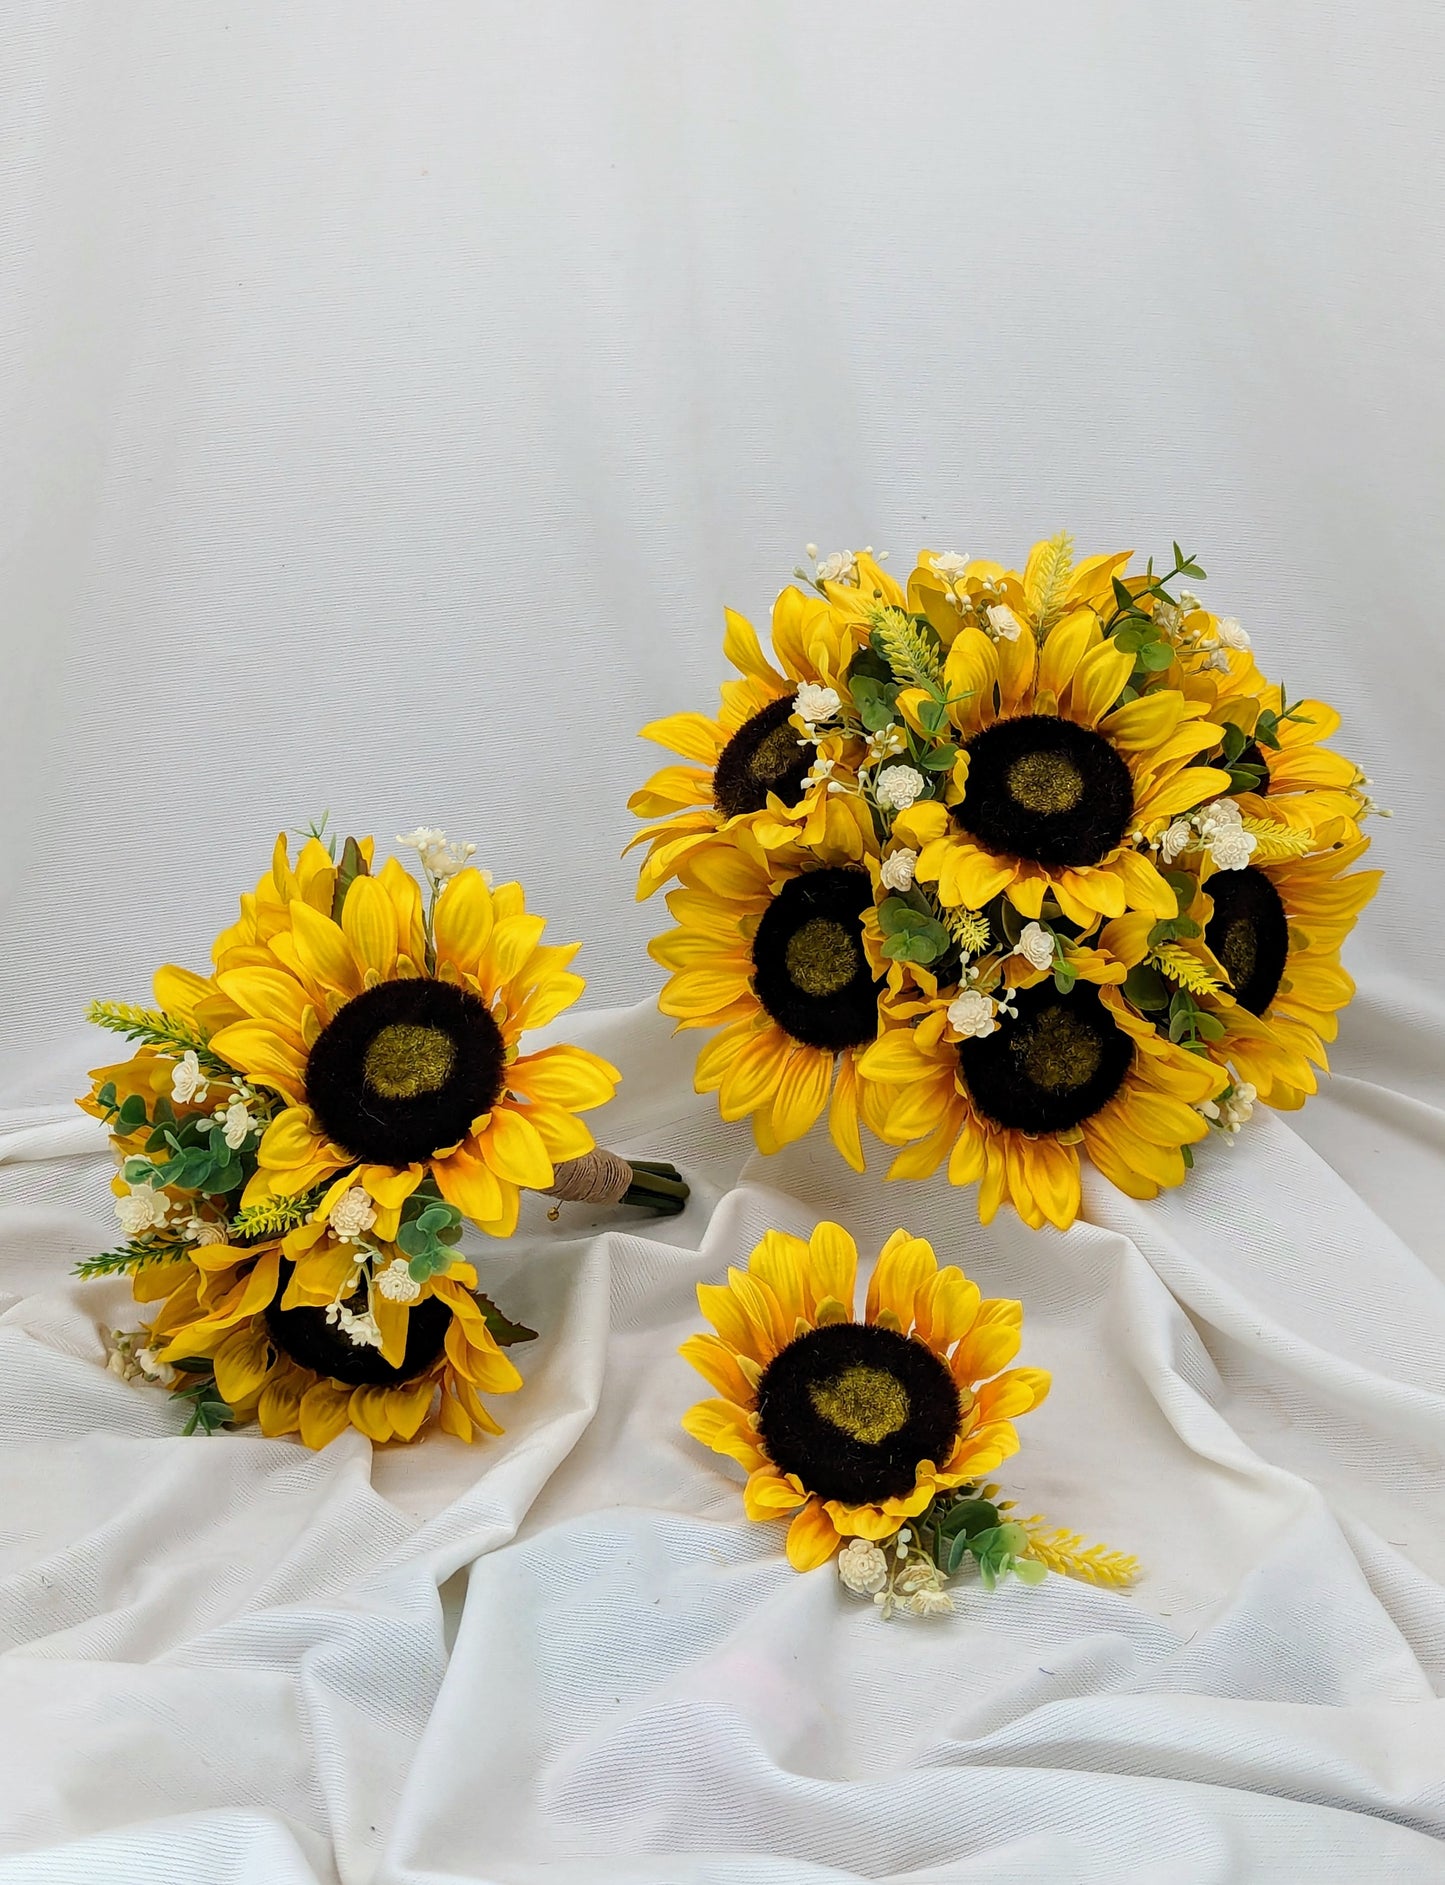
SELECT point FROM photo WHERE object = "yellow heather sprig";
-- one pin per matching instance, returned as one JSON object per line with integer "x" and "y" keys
{"x": 969, "y": 929}
{"x": 1273, "y": 842}
{"x": 1056, "y": 566}
{"x": 274, "y": 1218}
{"x": 1183, "y": 968}
{"x": 154, "y": 1028}
{"x": 1067, "y": 1555}
{"x": 907, "y": 649}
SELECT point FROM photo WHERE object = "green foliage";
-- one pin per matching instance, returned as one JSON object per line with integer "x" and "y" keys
{"x": 911, "y": 933}
{"x": 504, "y": 1331}
{"x": 352, "y": 866}
{"x": 874, "y": 699}
{"x": 209, "y": 1412}
{"x": 1146, "y": 988}
{"x": 963, "y": 1526}
{"x": 152, "y": 1028}
{"x": 1189, "y": 1024}
{"x": 129, "y": 1257}
{"x": 429, "y": 1230}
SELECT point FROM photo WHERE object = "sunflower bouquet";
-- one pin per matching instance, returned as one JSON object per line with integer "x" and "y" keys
{"x": 1010, "y": 868}
{"x": 878, "y": 1436}
{"x": 303, "y": 1133}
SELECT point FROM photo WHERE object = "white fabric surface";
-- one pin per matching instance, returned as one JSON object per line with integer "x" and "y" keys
{"x": 392, "y": 396}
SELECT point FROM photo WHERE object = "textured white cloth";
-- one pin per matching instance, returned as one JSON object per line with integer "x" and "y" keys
{"x": 392, "y": 397}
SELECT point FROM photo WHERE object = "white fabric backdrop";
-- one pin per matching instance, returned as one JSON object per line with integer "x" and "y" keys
{"x": 392, "y": 396}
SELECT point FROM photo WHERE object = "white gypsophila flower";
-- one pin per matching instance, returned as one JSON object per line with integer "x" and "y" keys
{"x": 360, "y": 1330}
{"x": 148, "y": 1361}
{"x": 142, "y": 1210}
{"x": 971, "y": 1014}
{"x": 188, "y": 1082}
{"x": 1167, "y": 616}
{"x": 200, "y": 1230}
{"x": 928, "y": 1602}
{"x": 397, "y": 1283}
{"x": 439, "y": 859}
{"x": 898, "y": 787}
{"x": 1237, "y": 1108}
{"x": 862, "y": 1567}
{"x": 1175, "y": 839}
{"x": 1036, "y": 944}
{"x": 814, "y": 703}
{"x": 237, "y": 1124}
{"x": 1003, "y": 623}
{"x": 351, "y": 1215}
{"x": 885, "y": 741}
{"x": 820, "y": 770}
{"x": 1231, "y": 634}
{"x": 840, "y": 567}
{"x": 896, "y": 870}
{"x": 1219, "y": 661}
{"x": 949, "y": 566}
{"x": 1189, "y": 602}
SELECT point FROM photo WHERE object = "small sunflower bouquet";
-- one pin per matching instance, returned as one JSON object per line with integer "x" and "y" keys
{"x": 878, "y": 1436}
{"x": 303, "y": 1134}
{"x": 1010, "y": 868}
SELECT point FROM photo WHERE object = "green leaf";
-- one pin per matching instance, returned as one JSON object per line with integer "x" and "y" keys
{"x": 1010, "y": 922}
{"x": 1064, "y": 977}
{"x": 1029, "y": 1570}
{"x": 138, "y": 1171}
{"x": 503, "y": 1330}
{"x": 195, "y": 1364}
{"x": 132, "y": 1115}
{"x": 956, "y": 1553}
{"x": 1233, "y": 743}
{"x": 939, "y": 759}
{"x": 1155, "y": 656}
{"x": 874, "y": 701}
{"x": 1146, "y": 987}
{"x": 1186, "y": 1152}
{"x": 969, "y": 1516}
{"x": 1208, "y": 1027}
{"x": 1122, "y": 598}
{"x": 352, "y": 866}
{"x": 1246, "y": 778}
{"x": 1131, "y": 640}
{"x": 106, "y": 1096}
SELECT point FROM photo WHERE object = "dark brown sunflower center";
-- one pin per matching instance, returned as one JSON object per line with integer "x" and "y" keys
{"x": 1047, "y": 790}
{"x": 403, "y": 1069}
{"x": 852, "y": 1409}
{"x": 764, "y": 755}
{"x": 809, "y": 968}
{"x": 1249, "y": 933}
{"x": 1052, "y": 1068}
{"x": 306, "y": 1337}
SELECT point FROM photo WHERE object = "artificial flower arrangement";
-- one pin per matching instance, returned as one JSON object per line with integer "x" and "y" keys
{"x": 878, "y": 1435}
{"x": 1010, "y": 868}
{"x": 303, "y": 1133}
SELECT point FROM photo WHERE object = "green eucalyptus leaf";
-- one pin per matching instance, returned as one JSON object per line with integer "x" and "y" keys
{"x": 1146, "y": 987}
{"x": 1155, "y": 656}
{"x": 1029, "y": 1570}
{"x": 503, "y": 1330}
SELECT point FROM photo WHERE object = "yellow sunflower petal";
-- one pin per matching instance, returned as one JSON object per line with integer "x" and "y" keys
{"x": 463, "y": 921}
{"x": 811, "y": 1538}
{"x": 368, "y": 921}
{"x": 325, "y": 1412}
{"x": 905, "y": 1265}
{"x": 512, "y": 1146}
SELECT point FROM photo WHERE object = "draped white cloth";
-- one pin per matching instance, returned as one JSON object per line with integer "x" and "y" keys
{"x": 393, "y": 395}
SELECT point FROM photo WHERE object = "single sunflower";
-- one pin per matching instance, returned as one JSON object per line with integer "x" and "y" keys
{"x": 344, "y": 1336}
{"x": 758, "y": 761}
{"x": 855, "y": 1427}
{"x": 392, "y": 1034}
{"x": 1270, "y": 940}
{"x": 783, "y": 956}
{"x": 1059, "y": 780}
{"x": 1013, "y": 1104}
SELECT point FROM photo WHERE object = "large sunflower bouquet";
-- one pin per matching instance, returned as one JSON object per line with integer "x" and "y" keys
{"x": 878, "y": 1435}
{"x": 1042, "y": 867}
{"x": 303, "y": 1133}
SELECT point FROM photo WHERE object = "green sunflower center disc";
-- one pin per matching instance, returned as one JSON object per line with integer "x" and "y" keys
{"x": 1046, "y": 782}
{"x": 867, "y": 1403}
{"x": 851, "y": 1409}
{"x": 822, "y": 957}
{"x": 405, "y": 1059}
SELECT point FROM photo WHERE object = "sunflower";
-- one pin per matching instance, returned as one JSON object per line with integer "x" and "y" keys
{"x": 779, "y": 949}
{"x": 855, "y": 1427}
{"x": 1059, "y": 778}
{"x": 343, "y": 1336}
{"x": 391, "y": 1034}
{"x": 1269, "y": 945}
{"x": 1279, "y": 763}
{"x": 759, "y": 760}
{"x": 1012, "y": 1103}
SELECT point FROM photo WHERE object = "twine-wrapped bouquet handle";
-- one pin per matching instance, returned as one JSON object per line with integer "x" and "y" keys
{"x": 603, "y": 1177}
